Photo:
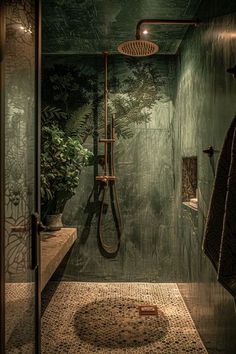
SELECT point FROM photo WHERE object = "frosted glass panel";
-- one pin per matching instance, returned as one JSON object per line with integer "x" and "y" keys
{"x": 20, "y": 175}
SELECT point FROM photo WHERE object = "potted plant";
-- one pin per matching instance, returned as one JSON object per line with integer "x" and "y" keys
{"x": 62, "y": 159}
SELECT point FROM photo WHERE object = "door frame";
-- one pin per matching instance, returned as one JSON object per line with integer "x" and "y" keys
{"x": 38, "y": 51}
{"x": 2, "y": 184}
{"x": 38, "y": 61}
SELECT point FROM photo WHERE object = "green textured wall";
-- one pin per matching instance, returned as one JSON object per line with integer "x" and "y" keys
{"x": 145, "y": 170}
{"x": 204, "y": 108}
{"x": 93, "y": 26}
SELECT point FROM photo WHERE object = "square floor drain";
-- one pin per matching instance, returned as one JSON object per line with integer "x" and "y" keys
{"x": 147, "y": 310}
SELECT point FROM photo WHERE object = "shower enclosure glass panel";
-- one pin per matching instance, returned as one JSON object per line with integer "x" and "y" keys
{"x": 20, "y": 187}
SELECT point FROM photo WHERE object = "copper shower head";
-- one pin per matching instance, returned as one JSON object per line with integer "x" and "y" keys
{"x": 143, "y": 48}
{"x": 138, "y": 48}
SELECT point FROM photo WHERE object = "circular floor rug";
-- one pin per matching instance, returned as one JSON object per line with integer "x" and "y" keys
{"x": 116, "y": 323}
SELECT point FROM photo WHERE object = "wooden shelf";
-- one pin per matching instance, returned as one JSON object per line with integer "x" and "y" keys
{"x": 54, "y": 247}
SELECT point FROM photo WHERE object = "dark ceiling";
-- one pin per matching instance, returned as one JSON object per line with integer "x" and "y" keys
{"x": 94, "y": 26}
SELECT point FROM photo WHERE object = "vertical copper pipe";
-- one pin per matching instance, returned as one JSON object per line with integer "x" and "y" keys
{"x": 113, "y": 128}
{"x": 105, "y": 110}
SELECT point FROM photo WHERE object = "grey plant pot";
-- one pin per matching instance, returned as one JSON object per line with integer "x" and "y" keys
{"x": 53, "y": 222}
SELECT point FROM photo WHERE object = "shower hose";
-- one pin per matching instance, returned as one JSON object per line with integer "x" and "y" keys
{"x": 109, "y": 186}
{"x": 107, "y": 183}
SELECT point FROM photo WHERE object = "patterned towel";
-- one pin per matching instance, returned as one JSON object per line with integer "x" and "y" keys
{"x": 219, "y": 241}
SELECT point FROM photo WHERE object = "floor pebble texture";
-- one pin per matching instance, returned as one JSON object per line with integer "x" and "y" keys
{"x": 19, "y": 318}
{"x": 104, "y": 318}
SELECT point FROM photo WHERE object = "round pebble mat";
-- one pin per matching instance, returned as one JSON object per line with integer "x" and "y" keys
{"x": 116, "y": 323}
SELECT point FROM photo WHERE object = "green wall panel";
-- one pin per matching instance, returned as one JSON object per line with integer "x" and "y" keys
{"x": 204, "y": 108}
{"x": 145, "y": 170}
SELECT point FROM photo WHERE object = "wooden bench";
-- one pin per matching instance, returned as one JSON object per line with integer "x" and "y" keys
{"x": 54, "y": 247}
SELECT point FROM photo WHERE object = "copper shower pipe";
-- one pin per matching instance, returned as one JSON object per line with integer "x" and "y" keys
{"x": 105, "y": 110}
{"x": 105, "y": 178}
{"x": 108, "y": 178}
{"x": 164, "y": 22}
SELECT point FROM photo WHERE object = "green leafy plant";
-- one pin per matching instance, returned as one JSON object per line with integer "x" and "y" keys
{"x": 62, "y": 159}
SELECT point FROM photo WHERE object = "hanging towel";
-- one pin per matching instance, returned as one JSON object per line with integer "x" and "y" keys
{"x": 219, "y": 242}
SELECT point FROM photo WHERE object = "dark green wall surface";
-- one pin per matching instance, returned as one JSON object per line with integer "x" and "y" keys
{"x": 204, "y": 108}
{"x": 141, "y": 91}
{"x": 92, "y": 26}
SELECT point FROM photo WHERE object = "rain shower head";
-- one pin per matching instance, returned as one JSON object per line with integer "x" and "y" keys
{"x": 143, "y": 48}
{"x": 138, "y": 48}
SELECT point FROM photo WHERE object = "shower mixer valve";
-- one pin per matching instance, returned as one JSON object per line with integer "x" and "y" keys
{"x": 105, "y": 179}
{"x": 107, "y": 140}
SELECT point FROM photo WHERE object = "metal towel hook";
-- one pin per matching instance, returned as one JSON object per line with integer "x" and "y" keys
{"x": 209, "y": 151}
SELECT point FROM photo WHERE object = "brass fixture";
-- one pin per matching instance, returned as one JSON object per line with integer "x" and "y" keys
{"x": 138, "y": 48}
{"x": 142, "y": 48}
{"x": 107, "y": 140}
{"x": 107, "y": 180}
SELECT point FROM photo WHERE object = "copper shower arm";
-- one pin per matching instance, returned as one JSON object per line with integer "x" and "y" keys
{"x": 164, "y": 22}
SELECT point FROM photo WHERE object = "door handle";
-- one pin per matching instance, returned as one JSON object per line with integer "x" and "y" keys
{"x": 35, "y": 240}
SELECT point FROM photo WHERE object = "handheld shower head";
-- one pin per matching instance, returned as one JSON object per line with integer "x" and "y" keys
{"x": 143, "y": 48}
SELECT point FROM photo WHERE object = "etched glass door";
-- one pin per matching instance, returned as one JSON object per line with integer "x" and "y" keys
{"x": 19, "y": 82}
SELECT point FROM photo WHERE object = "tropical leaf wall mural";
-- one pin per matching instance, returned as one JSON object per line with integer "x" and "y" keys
{"x": 77, "y": 90}
{"x": 140, "y": 96}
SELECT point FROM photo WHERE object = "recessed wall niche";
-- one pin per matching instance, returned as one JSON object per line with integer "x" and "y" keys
{"x": 189, "y": 181}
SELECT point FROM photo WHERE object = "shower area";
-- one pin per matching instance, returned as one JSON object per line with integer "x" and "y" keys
{"x": 135, "y": 100}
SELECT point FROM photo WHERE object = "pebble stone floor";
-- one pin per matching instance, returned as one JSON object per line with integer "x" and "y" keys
{"x": 19, "y": 318}
{"x": 104, "y": 318}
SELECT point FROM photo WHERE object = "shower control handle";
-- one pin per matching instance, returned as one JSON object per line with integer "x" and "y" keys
{"x": 105, "y": 178}
{"x": 107, "y": 140}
